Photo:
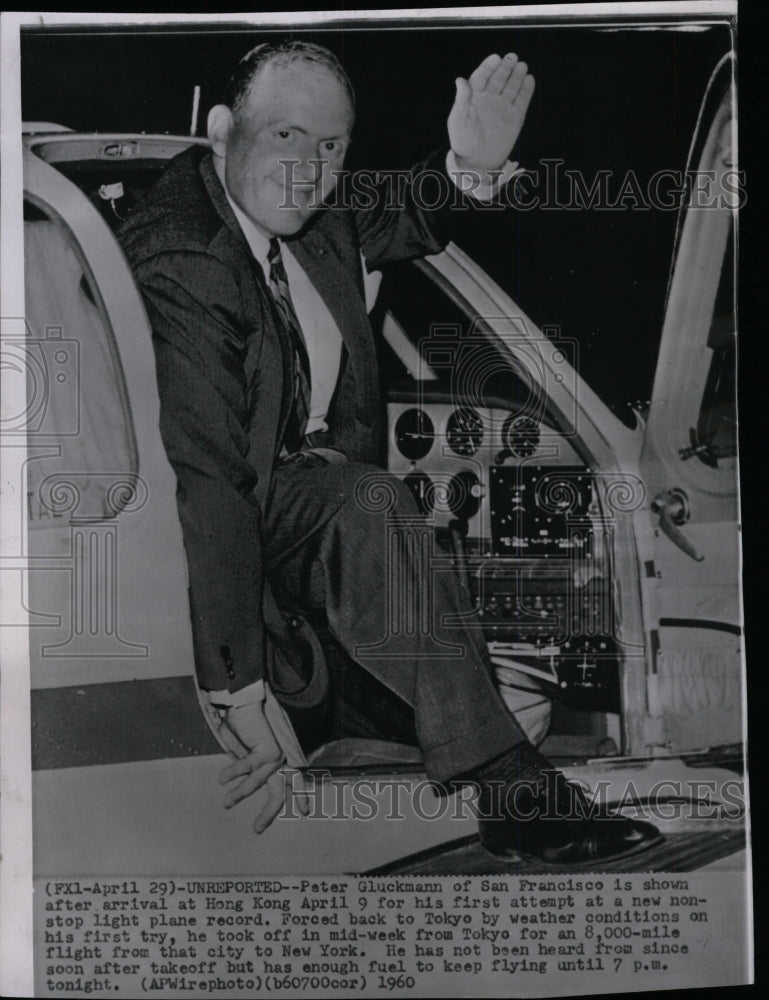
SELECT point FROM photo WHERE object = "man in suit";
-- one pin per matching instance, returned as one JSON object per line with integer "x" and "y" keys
{"x": 256, "y": 281}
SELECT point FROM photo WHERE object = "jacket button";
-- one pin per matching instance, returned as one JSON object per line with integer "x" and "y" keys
{"x": 295, "y": 622}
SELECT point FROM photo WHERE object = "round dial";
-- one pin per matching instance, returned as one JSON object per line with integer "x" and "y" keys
{"x": 464, "y": 431}
{"x": 414, "y": 434}
{"x": 421, "y": 487}
{"x": 520, "y": 435}
{"x": 465, "y": 492}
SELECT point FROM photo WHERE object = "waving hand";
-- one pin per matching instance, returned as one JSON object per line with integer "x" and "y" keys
{"x": 489, "y": 111}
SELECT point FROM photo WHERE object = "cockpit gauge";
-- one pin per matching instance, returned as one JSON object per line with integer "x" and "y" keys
{"x": 520, "y": 436}
{"x": 464, "y": 431}
{"x": 414, "y": 434}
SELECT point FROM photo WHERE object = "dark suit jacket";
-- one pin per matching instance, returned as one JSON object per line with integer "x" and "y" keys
{"x": 224, "y": 375}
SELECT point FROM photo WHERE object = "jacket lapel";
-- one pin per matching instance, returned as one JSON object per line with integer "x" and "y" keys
{"x": 275, "y": 345}
{"x": 219, "y": 200}
{"x": 336, "y": 277}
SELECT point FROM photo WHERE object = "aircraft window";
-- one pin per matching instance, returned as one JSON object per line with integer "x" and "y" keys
{"x": 716, "y": 433}
{"x": 115, "y": 189}
{"x": 454, "y": 352}
{"x": 81, "y": 448}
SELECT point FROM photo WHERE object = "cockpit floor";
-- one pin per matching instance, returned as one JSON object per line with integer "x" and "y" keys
{"x": 679, "y": 852}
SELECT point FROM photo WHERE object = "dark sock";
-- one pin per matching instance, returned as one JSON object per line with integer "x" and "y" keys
{"x": 524, "y": 765}
{"x": 523, "y": 762}
{"x": 521, "y": 765}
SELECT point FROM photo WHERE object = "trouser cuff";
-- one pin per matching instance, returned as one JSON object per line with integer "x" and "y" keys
{"x": 470, "y": 751}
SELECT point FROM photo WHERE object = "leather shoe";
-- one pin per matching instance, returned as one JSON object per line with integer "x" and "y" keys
{"x": 552, "y": 821}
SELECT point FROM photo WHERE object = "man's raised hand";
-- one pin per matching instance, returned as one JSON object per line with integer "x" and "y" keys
{"x": 489, "y": 111}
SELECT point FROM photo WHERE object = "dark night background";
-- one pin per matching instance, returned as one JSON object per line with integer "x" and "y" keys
{"x": 605, "y": 100}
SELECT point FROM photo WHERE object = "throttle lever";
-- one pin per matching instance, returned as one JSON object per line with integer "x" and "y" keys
{"x": 673, "y": 509}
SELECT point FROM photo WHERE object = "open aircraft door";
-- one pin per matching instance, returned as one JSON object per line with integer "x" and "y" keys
{"x": 688, "y": 531}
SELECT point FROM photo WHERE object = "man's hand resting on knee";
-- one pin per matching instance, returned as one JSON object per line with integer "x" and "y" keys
{"x": 271, "y": 754}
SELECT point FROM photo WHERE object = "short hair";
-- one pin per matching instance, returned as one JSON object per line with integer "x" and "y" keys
{"x": 281, "y": 53}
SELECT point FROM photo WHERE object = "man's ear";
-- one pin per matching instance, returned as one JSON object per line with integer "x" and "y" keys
{"x": 219, "y": 128}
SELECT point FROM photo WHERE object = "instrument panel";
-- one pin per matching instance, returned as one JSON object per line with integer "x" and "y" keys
{"x": 514, "y": 502}
{"x": 457, "y": 461}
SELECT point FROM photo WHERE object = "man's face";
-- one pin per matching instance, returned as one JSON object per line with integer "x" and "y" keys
{"x": 286, "y": 141}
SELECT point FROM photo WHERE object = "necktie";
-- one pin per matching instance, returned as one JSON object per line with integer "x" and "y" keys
{"x": 300, "y": 409}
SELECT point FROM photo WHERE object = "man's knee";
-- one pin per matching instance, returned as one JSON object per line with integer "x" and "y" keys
{"x": 372, "y": 490}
